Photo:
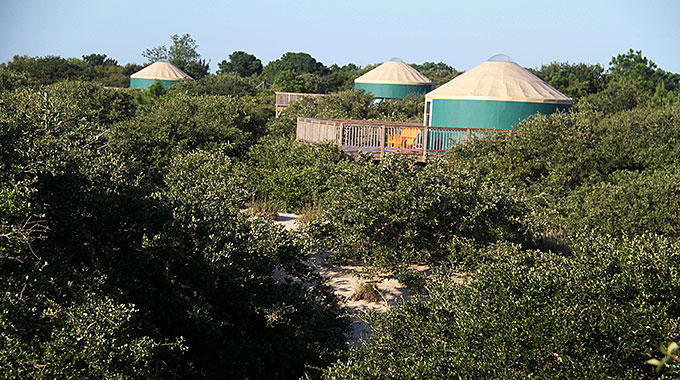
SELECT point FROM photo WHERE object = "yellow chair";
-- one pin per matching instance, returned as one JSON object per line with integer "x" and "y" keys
{"x": 405, "y": 141}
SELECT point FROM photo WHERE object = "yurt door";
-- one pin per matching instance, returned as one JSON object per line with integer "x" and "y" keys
{"x": 428, "y": 113}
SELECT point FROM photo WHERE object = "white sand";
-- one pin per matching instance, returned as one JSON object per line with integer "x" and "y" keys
{"x": 346, "y": 279}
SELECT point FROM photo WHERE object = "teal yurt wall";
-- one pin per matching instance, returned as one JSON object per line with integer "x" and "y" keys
{"x": 496, "y": 94}
{"x": 166, "y": 72}
{"x": 393, "y": 79}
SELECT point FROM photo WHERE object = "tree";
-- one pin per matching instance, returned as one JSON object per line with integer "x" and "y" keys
{"x": 94, "y": 59}
{"x": 182, "y": 53}
{"x": 99, "y": 60}
{"x": 48, "y": 69}
{"x": 195, "y": 69}
{"x": 240, "y": 63}
{"x": 573, "y": 80}
{"x": 440, "y": 72}
{"x": 131, "y": 68}
{"x": 288, "y": 80}
{"x": 348, "y": 67}
{"x": 633, "y": 80}
{"x": 299, "y": 62}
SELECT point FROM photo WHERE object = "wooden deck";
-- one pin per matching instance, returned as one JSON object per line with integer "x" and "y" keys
{"x": 380, "y": 137}
{"x": 284, "y": 99}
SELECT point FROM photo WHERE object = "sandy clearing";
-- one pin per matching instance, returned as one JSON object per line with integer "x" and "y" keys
{"x": 288, "y": 221}
{"x": 345, "y": 279}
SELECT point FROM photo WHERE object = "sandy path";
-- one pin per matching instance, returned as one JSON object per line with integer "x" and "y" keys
{"x": 345, "y": 279}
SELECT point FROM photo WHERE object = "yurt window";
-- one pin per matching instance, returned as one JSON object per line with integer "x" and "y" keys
{"x": 428, "y": 113}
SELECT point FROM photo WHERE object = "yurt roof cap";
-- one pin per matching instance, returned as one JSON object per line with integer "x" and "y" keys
{"x": 500, "y": 58}
{"x": 394, "y": 71}
{"x": 162, "y": 70}
{"x": 500, "y": 79}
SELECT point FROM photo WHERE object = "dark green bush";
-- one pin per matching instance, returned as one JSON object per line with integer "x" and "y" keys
{"x": 11, "y": 80}
{"x": 395, "y": 211}
{"x": 225, "y": 84}
{"x": 291, "y": 174}
{"x": 93, "y": 102}
{"x": 628, "y": 203}
{"x": 212, "y": 175}
{"x": 560, "y": 152}
{"x": 182, "y": 123}
{"x": 570, "y": 168}
{"x": 107, "y": 275}
{"x": 598, "y": 314}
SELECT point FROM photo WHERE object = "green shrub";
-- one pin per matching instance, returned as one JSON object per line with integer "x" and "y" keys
{"x": 11, "y": 80}
{"x": 105, "y": 274}
{"x": 181, "y": 123}
{"x": 598, "y": 314}
{"x": 225, "y": 85}
{"x": 395, "y": 211}
{"x": 560, "y": 152}
{"x": 211, "y": 175}
{"x": 291, "y": 174}
{"x": 567, "y": 165}
{"x": 629, "y": 203}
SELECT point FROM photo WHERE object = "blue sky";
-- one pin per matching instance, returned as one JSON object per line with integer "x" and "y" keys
{"x": 461, "y": 34}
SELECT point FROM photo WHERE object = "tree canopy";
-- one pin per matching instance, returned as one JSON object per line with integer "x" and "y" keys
{"x": 297, "y": 62}
{"x": 182, "y": 53}
{"x": 241, "y": 64}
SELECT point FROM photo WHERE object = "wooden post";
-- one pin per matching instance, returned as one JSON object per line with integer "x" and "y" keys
{"x": 467, "y": 138}
{"x": 340, "y": 135}
{"x": 382, "y": 141}
{"x": 424, "y": 142}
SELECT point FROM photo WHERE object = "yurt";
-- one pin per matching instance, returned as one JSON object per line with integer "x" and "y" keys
{"x": 496, "y": 94}
{"x": 166, "y": 72}
{"x": 393, "y": 79}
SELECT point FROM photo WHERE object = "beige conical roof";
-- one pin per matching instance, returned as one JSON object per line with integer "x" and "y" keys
{"x": 498, "y": 80}
{"x": 394, "y": 72}
{"x": 161, "y": 70}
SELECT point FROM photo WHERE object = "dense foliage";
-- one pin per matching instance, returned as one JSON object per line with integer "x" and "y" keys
{"x": 597, "y": 314}
{"x": 51, "y": 69}
{"x": 182, "y": 123}
{"x": 611, "y": 173}
{"x": 397, "y": 212}
{"x": 241, "y": 63}
{"x": 215, "y": 85}
{"x": 291, "y": 175}
{"x": 125, "y": 252}
{"x": 110, "y": 272}
{"x": 591, "y": 291}
{"x": 182, "y": 53}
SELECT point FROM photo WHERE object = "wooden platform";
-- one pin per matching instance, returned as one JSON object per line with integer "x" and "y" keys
{"x": 284, "y": 99}
{"x": 380, "y": 137}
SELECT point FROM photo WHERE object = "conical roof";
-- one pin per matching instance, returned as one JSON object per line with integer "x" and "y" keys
{"x": 161, "y": 70}
{"x": 499, "y": 80}
{"x": 394, "y": 72}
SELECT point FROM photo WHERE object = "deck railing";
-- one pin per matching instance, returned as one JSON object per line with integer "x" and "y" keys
{"x": 379, "y": 137}
{"x": 284, "y": 99}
